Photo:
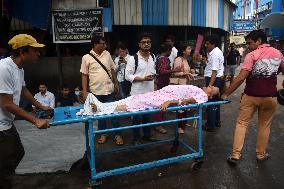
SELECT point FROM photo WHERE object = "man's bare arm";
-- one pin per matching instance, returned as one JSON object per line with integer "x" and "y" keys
{"x": 6, "y": 102}
{"x": 84, "y": 86}
{"x": 213, "y": 78}
{"x": 236, "y": 83}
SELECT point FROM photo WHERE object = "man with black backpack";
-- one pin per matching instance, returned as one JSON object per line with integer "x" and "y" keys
{"x": 140, "y": 70}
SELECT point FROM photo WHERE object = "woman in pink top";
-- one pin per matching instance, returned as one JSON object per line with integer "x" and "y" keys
{"x": 183, "y": 77}
{"x": 181, "y": 62}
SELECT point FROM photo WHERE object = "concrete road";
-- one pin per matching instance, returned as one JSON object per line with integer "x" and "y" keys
{"x": 215, "y": 172}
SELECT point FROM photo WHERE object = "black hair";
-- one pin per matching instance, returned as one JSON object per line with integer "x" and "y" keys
{"x": 65, "y": 86}
{"x": 144, "y": 35}
{"x": 183, "y": 48}
{"x": 255, "y": 35}
{"x": 80, "y": 88}
{"x": 170, "y": 37}
{"x": 42, "y": 83}
{"x": 17, "y": 52}
{"x": 96, "y": 39}
{"x": 165, "y": 47}
{"x": 213, "y": 39}
{"x": 216, "y": 96}
{"x": 121, "y": 46}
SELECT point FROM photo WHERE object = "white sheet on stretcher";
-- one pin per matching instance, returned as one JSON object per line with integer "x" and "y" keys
{"x": 102, "y": 108}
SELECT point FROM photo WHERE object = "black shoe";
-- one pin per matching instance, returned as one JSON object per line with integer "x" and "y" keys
{"x": 218, "y": 124}
{"x": 264, "y": 158}
{"x": 232, "y": 161}
{"x": 149, "y": 139}
{"x": 208, "y": 129}
{"x": 136, "y": 143}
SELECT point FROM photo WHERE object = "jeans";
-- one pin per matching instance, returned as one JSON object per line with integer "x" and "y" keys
{"x": 11, "y": 153}
{"x": 146, "y": 130}
{"x": 213, "y": 112}
{"x": 122, "y": 94}
{"x": 102, "y": 124}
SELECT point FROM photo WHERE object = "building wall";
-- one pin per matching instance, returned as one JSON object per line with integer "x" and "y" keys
{"x": 202, "y": 13}
{"x": 226, "y": 15}
{"x": 212, "y": 14}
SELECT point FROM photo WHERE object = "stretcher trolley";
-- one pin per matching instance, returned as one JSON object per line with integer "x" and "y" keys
{"x": 67, "y": 115}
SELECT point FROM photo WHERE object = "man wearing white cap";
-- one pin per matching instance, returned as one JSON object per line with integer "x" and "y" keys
{"x": 12, "y": 86}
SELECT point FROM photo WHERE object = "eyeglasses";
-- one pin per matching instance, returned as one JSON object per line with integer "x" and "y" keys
{"x": 145, "y": 42}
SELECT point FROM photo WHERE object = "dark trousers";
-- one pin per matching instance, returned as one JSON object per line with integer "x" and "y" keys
{"x": 102, "y": 124}
{"x": 181, "y": 115}
{"x": 146, "y": 130}
{"x": 11, "y": 153}
{"x": 213, "y": 112}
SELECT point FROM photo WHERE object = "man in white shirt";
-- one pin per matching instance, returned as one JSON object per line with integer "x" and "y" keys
{"x": 12, "y": 86}
{"x": 141, "y": 74}
{"x": 45, "y": 98}
{"x": 171, "y": 41}
{"x": 121, "y": 62}
{"x": 213, "y": 72}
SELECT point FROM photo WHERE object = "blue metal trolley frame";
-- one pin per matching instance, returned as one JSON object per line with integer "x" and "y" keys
{"x": 67, "y": 115}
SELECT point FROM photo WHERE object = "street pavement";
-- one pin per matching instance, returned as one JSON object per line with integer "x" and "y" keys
{"x": 215, "y": 173}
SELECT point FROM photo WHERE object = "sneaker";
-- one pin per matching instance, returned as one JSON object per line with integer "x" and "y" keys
{"x": 136, "y": 143}
{"x": 232, "y": 161}
{"x": 265, "y": 157}
{"x": 218, "y": 124}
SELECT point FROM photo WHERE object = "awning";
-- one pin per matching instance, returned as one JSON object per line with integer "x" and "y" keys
{"x": 273, "y": 20}
{"x": 34, "y": 12}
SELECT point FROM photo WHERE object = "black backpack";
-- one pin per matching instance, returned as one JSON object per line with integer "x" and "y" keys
{"x": 126, "y": 85}
{"x": 136, "y": 60}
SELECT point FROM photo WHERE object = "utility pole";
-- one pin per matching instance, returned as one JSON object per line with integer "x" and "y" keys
{"x": 245, "y": 4}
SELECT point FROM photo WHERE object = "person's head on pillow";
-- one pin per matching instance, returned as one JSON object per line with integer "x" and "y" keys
{"x": 212, "y": 92}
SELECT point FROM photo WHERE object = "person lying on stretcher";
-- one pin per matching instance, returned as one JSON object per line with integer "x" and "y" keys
{"x": 163, "y": 98}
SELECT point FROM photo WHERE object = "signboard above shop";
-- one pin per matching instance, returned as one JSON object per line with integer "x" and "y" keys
{"x": 76, "y": 26}
{"x": 243, "y": 25}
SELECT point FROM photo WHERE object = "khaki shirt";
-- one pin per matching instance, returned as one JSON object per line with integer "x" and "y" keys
{"x": 99, "y": 81}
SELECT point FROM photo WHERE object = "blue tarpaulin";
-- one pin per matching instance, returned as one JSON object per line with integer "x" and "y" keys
{"x": 34, "y": 12}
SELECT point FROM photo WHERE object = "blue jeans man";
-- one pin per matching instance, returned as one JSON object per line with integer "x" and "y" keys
{"x": 213, "y": 112}
{"x": 146, "y": 130}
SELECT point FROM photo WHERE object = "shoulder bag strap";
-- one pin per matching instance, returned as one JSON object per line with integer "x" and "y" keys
{"x": 98, "y": 61}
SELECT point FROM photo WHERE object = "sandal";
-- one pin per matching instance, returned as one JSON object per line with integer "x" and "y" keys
{"x": 118, "y": 140}
{"x": 233, "y": 161}
{"x": 265, "y": 157}
{"x": 180, "y": 130}
{"x": 102, "y": 139}
{"x": 160, "y": 129}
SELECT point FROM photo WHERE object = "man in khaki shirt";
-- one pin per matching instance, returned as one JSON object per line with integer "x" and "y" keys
{"x": 100, "y": 83}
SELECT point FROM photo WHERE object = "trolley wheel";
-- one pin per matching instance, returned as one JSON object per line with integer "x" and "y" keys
{"x": 196, "y": 165}
{"x": 173, "y": 149}
{"x": 97, "y": 184}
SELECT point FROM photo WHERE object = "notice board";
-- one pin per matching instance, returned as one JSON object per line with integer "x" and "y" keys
{"x": 76, "y": 26}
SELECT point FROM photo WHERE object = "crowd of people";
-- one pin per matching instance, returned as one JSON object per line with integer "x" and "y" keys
{"x": 142, "y": 78}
